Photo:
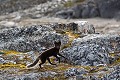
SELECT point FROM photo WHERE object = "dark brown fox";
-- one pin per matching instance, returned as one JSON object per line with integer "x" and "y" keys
{"x": 48, "y": 53}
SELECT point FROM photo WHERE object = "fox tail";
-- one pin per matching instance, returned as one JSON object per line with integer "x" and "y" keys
{"x": 34, "y": 63}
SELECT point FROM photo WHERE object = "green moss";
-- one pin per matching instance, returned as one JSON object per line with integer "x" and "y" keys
{"x": 68, "y": 4}
{"x": 60, "y": 31}
{"x": 78, "y": 1}
{"x": 71, "y": 3}
{"x": 1, "y": 52}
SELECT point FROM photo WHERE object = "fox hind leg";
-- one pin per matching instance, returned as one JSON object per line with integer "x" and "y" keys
{"x": 43, "y": 60}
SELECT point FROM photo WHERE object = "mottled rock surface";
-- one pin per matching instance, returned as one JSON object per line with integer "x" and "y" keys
{"x": 8, "y": 6}
{"x": 108, "y": 8}
{"x": 28, "y": 38}
{"x": 91, "y": 8}
{"x": 93, "y": 49}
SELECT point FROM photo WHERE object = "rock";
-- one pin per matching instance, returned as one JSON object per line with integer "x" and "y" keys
{"x": 11, "y": 57}
{"x": 108, "y": 8}
{"x": 71, "y": 72}
{"x": 117, "y": 16}
{"x": 94, "y": 12}
{"x": 31, "y": 76}
{"x": 46, "y": 8}
{"x": 6, "y": 6}
{"x": 31, "y": 38}
{"x": 2, "y": 61}
{"x": 74, "y": 12}
{"x": 73, "y": 27}
{"x": 65, "y": 14}
{"x": 82, "y": 27}
{"x": 86, "y": 11}
{"x": 77, "y": 11}
{"x": 113, "y": 75}
{"x": 8, "y": 24}
{"x": 74, "y": 72}
{"x": 92, "y": 50}
{"x": 85, "y": 27}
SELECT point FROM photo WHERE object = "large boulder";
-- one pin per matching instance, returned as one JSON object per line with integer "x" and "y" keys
{"x": 108, "y": 8}
{"x": 8, "y": 6}
{"x": 27, "y": 38}
{"x": 65, "y": 14}
{"x": 93, "y": 8}
{"x": 87, "y": 9}
{"x": 92, "y": 49}
{"x": 30, "y": 38}
{"x": 77, "y": 11}
{"x": 84, "y": 27}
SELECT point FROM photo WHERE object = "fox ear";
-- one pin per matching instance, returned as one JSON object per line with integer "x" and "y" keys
{"x": 59, "y": 42}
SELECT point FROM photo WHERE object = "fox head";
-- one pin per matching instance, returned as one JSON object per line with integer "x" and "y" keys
{"x": 57, "y": 44}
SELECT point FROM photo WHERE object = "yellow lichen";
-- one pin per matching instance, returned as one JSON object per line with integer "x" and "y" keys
{"x": 71, "y": 36}
{"x": 10, "y": 52}
{"x": 71, "y": 3}
{"x": 114, "y": 55}
{"x": 3, "y": 66}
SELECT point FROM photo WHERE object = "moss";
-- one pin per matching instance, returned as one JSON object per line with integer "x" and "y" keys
{"x": 71, "y": 36}
{"x": 60, "y": 31}
{"x": 114, "y": 55}
{"x": 78, "y": 1}
{"x": 116, "y": 62}
{"x": 1, "y": 52}
{"x": 71, "y": 3}
{"x": 68, "y": 4}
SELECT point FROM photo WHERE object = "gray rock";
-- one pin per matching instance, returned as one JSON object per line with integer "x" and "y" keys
{"x": 117, "y": 16}
{"x": 109, "y": 40}
{"x": 94, "y": 12}
{"x": 31, "y": 38}
{"x": 84, "y": 27}
{"x": 89, "y": 9}
{"x": 91, "y": 50}
{"x": 6, "y": 6}
{"x": 65, "y": 14}
{"x": 31, "y": 76}
{"x": 8, "y": 23}
{"x": 108, "y": 8}
{"x": 113, "y": 75}
{"x": 77, "y": 11}
{"x": 74, "y": 72}
{"x": 86, "y": 11}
